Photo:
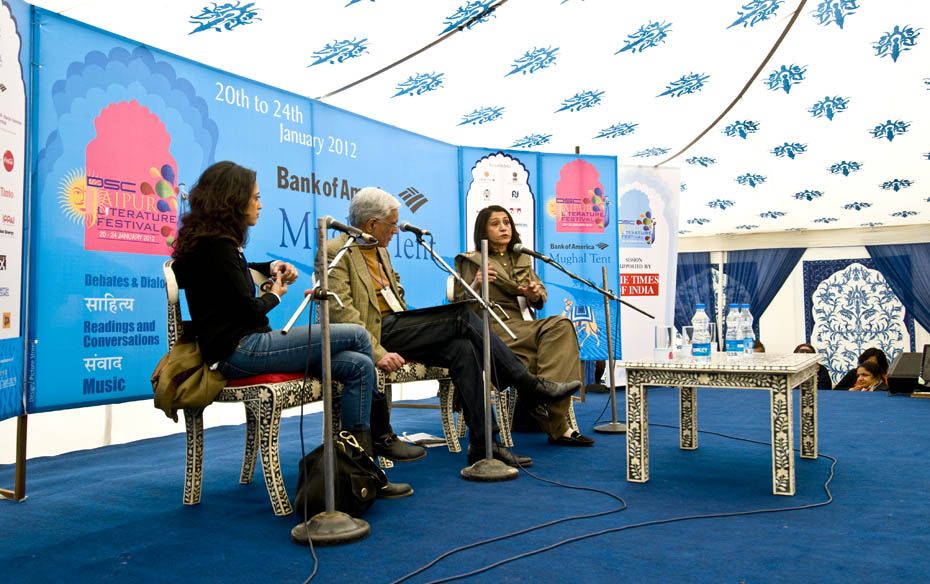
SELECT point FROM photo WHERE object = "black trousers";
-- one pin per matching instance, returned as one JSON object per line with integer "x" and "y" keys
{"x": 451, "y": 336}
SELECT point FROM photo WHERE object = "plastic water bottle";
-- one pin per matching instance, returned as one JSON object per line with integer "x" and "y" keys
{"x": 749, "y": 337}
{"x": 700, "y": 348}
{"x": 734, "y": 338}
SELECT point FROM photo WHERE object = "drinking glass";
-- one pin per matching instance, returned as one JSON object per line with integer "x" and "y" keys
{"x": 687, "y": 339}
{"x": 713, "y": 337}
{"x": 664, "y": 347}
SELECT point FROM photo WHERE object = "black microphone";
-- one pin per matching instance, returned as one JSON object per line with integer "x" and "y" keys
{"x": 348, "y": 229}
{"x": 404, "y": 226}
{"x": 520, "y": 249}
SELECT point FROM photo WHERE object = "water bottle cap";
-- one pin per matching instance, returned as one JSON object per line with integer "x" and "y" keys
{"x": 734, "y": 305}
{"x": 699, "y": 305}
{"x": 746, "y": 306}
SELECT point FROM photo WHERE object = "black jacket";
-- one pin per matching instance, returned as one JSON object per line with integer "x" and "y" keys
{"x": 221, "y": 296}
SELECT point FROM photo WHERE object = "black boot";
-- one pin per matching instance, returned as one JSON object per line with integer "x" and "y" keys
{"x": 390, "y": 446}
{"x": 536, "y": 390}
{"x": 386, "y": 442}
{"x": 389, "y": 490}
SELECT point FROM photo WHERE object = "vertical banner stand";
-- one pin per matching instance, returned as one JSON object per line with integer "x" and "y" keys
{"x": 613, "y": 427}
{"x": 328, "y": 527}
{"x": 19, "y": 482}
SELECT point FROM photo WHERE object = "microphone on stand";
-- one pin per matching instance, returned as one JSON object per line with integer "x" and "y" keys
{"x": 518, "y": 248}
{"x": 348, "y": 229}
{"x": 419, "y": 232}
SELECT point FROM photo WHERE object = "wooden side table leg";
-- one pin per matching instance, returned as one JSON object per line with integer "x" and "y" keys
{"x": 637, "y": 431}
{"x": 687, "y": 413}
{"x": 782, "y": 438}
{"x": 809, "y": 418}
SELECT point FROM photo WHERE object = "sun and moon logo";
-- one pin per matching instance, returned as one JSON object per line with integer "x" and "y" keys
{"x": 74, "y": 195}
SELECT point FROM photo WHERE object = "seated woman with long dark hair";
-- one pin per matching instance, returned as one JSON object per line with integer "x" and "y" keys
{"x": 547, "y": 346}
{"x": 231, "y": 322}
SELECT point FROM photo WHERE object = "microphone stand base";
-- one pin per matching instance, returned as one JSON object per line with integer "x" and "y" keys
{"x": 611, "y": 428}
{"x": 488, "y": 470}
{"x": 330, "y": 528}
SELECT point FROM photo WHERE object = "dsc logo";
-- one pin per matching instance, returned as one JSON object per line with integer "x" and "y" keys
{"x": 8, "y": 161}
{"x": 111, "y": 184}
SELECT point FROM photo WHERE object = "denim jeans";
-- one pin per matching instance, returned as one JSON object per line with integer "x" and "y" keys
{"x": 352, "y": 364}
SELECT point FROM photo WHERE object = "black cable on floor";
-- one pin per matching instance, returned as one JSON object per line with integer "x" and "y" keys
{"x": 444, "y": 555}
{"x": 598, "y": 419}
{"x": 650, "y": 523}
{"x": 436, "y": 560}
{"x": 303, "y": 450}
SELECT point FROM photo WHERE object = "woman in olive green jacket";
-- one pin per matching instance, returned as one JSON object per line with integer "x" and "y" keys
{"x": 548, "y": 346}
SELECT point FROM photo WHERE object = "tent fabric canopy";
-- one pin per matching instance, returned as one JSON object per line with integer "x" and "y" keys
{"x": 829, "y": 134}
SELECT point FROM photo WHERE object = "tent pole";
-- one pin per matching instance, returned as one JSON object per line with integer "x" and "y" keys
{"x": 721, "y": 296}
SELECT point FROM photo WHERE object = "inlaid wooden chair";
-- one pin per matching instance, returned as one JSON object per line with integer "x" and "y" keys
{"x": 264, "y": 397}
{"x": 453, "y": 422}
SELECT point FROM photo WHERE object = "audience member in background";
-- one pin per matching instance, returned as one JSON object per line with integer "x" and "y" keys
{"x": 450, "y": 336}
{"x": 547, "y": 346}
{"x": 869, "y": 378}
{"x": 823, "y": 377}
{"x": 757, "y": 346}
{"x": 231, "y": 322}
{"x": 875, "y": 355}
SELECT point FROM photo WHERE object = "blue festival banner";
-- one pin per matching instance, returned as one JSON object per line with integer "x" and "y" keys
{"x": 122, "y": 131}
{"x": 15, "y": 45}
{"x": 577, "y": 227}
{"x": 500, "y": 177}
{"x": 561, "y": 205}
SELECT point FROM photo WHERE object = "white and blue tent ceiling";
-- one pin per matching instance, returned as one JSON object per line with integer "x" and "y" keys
{"x": 828, "y": 128}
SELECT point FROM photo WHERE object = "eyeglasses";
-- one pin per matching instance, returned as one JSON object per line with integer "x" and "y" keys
{"x": 388, "y": 223}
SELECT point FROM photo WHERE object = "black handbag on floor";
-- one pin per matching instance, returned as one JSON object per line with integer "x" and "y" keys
{"x": 356, "y": 480}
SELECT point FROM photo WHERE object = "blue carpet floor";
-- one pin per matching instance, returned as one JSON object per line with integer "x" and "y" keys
{"x": 115, "y": 515}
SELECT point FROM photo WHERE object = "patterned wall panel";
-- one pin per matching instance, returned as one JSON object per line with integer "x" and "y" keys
{"x": 849, "y": 307}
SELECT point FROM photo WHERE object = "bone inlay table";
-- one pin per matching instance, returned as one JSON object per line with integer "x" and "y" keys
{"x": 778, "y": 374}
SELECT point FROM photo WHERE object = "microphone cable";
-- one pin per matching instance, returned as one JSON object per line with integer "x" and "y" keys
{"x": 432, "y": 246}
{"x": 303, "y": 449}
{"x": 623, "y": 506}
{"x": 650, "y": 523}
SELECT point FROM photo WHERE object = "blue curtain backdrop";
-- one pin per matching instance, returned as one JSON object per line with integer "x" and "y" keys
{"x": 906, "y": 268}
{"x": 695, "y": 283}
{"x": 755, "y": 277}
